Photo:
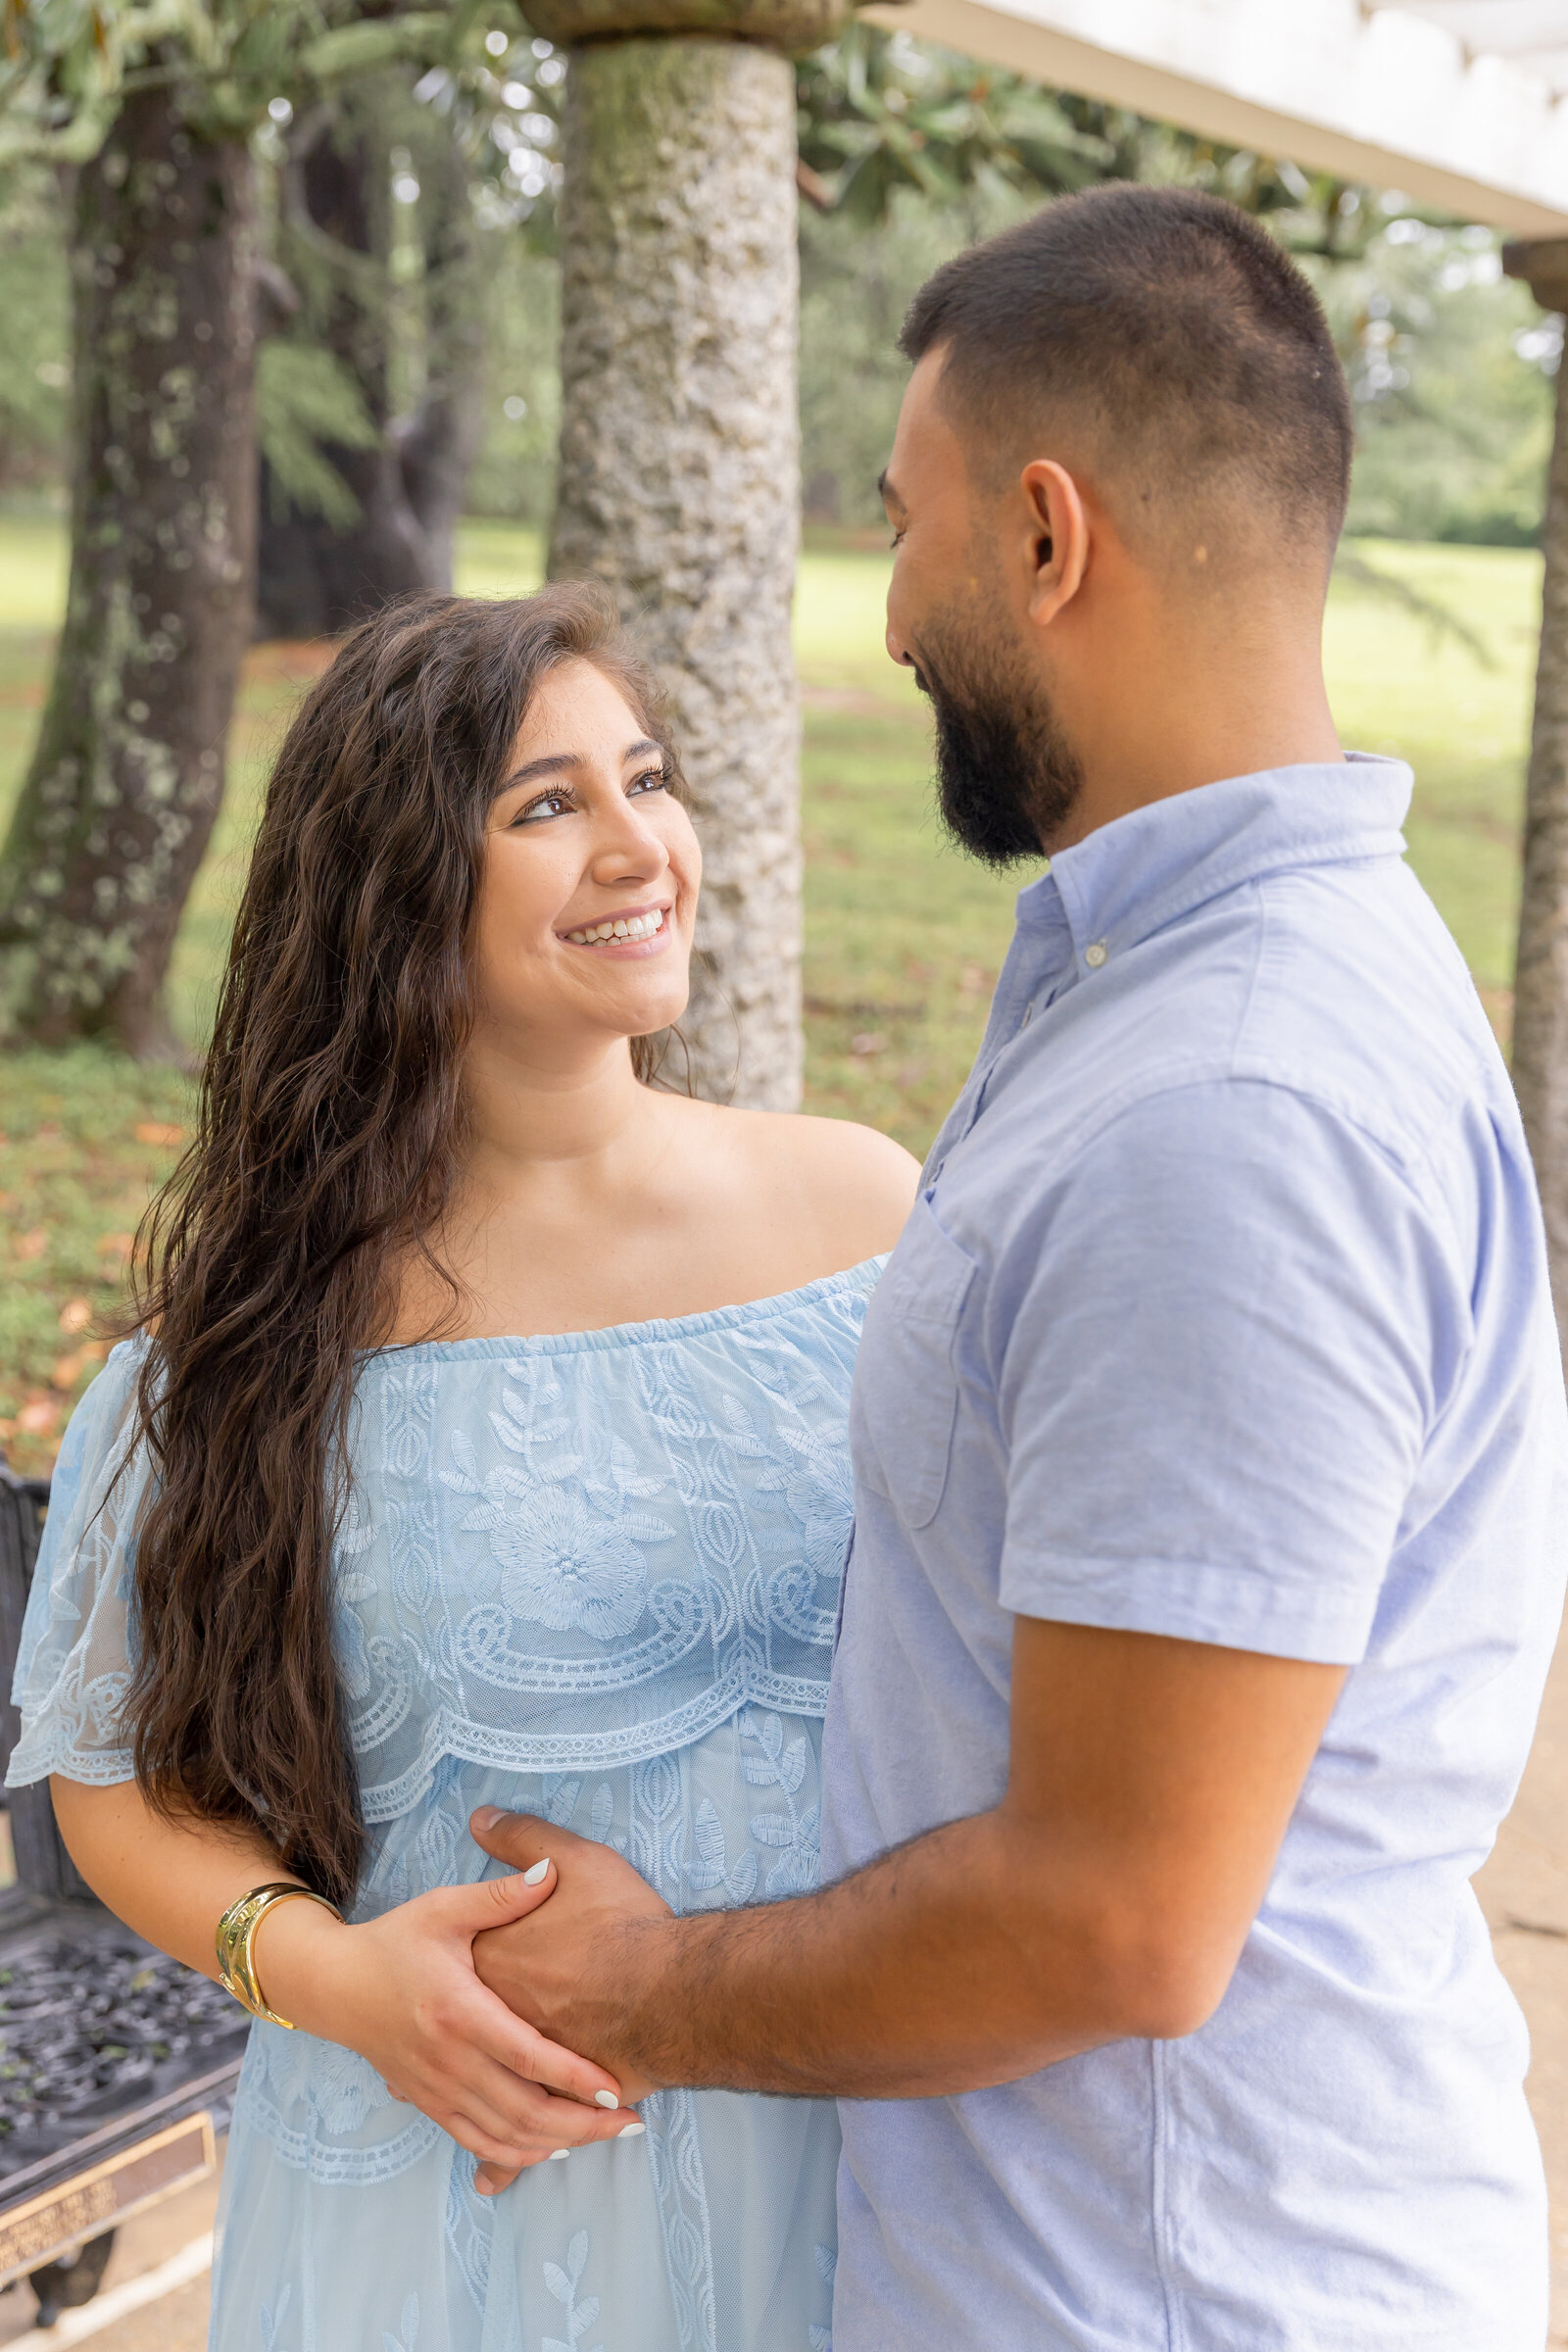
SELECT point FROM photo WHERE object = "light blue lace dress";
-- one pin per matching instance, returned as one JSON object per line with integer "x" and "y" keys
{"x": 594, "y": 1578}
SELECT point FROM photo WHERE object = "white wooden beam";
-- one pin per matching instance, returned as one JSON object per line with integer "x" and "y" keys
{"x": 1373, "y": 93}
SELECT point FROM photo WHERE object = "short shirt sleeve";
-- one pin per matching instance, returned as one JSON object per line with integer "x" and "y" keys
{"x": 73, "y": 1666}
{"x": 1235, "y": 1323}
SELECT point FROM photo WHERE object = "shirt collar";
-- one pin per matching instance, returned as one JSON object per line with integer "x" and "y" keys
{"x": 1143, "y": 870}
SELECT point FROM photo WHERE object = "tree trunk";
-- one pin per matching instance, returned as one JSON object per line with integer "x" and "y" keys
{"x": 437, "y": 451}
{"x": 316, "y": 577}
{"x": 680, "y": 481}
{"x": 118, "y": 803}
{"x": 1541, "y": 977}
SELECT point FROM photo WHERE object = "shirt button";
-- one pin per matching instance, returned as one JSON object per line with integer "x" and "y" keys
{"x": 1095, "y": 955}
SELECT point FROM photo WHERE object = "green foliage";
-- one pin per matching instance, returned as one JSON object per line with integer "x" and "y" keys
{"x": 879, "y": 111}
{"x": 87, "y": 1136}
{"x": 65, "y": 64}
{"x": 515, "y": 471}
{"x": 881, "y": 114}
{"x": 305, "y": 397}
{"x": 35, "y": 349}
{"x": 854, "y": 289}
{"x": 1449, "y": 369}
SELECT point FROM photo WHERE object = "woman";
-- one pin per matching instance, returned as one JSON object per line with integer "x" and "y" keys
{"x": 389, "y": 1555}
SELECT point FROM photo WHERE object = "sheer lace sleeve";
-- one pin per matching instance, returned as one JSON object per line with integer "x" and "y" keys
{"x": 73, "y": 1665}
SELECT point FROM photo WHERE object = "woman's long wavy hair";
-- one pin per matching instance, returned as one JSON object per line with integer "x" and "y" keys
{"x": 331, "y": 1129}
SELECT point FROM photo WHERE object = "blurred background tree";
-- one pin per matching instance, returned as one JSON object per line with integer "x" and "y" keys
{"x": 153, "y": 109}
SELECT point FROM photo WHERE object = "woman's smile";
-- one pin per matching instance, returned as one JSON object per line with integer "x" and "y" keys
{"x": 629, "y": 932}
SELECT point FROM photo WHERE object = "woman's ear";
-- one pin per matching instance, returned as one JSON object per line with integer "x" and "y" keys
{"x": 1062, "y": 538}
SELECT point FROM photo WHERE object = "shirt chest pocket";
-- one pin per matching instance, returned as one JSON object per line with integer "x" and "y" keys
{"x": 907, "y": 1382}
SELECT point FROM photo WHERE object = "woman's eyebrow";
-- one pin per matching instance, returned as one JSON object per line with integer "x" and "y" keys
{"x": 552, "y": 762}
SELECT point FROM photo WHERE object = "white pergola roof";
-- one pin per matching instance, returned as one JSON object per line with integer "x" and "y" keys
{"x": 1460, "y": 103}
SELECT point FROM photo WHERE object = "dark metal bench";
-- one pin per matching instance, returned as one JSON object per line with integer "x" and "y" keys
{"x": 118, "y": 2065}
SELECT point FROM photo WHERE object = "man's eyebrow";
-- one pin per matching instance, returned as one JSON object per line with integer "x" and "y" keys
{"x": 552, "y": 763}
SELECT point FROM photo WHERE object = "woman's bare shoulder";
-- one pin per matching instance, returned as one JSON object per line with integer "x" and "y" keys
{"x": 852, "y": 1185}
{"x": 844, "y": 1152}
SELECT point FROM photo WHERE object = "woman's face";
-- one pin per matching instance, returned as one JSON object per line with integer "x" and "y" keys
{"x": 591, "y": 872}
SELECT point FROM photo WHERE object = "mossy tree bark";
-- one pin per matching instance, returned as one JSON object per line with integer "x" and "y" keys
{"x": 128, "y": 776}
{"x": 1540, "y": 976}
{"x": 680, "y": 481}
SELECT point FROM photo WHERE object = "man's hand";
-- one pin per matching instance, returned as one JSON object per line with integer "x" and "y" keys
{"x": 562, "y": 1977}
{"x": 1108, "y": 1895}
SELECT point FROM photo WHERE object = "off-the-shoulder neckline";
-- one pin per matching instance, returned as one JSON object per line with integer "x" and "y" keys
{"x": 631, "y": 1334}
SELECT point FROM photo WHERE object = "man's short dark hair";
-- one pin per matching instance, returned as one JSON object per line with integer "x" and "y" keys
{"x": 1174, "y": 328}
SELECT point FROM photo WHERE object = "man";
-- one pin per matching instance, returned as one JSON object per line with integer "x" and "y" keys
{"x": 1208, "y": 1433}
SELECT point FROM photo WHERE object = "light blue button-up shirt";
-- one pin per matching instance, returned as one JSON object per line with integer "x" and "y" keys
{"x": 1223, "y": 1314}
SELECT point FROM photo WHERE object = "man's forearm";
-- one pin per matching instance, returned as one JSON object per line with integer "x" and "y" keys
{"x": 1109, "y": 1893}
{"x": 942, "y": 1967}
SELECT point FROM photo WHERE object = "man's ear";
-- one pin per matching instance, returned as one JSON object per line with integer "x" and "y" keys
{"x": 1060, "y": 538}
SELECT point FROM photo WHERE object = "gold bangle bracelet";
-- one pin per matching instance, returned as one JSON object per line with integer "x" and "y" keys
{"x": 237, "y": 1936}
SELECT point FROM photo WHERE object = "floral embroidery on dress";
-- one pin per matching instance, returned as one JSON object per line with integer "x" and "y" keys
{"x": 407, "y": 2339}
{"x": 343, "y": 2089}
{"x": 272, "y": 2316}
{"x": 796, "y": 1835}
{"x": 562, "y": 2284}
{"x": 820, "y": 2339}
{"x": 563, "y": 1565}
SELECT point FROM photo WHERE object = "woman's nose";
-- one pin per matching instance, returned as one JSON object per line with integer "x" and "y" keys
{"x": 630, "y": 850}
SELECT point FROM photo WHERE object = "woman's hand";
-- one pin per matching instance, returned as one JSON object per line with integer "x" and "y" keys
{"x": 402, "y": 1990}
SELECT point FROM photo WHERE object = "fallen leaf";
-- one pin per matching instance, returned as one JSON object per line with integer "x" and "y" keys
{"x": 75, "y": 1314}
{"x": 121, "y": 1245}
{"x": 38, "y": 1416}
{"x": 8, "y": 1429}
{"x": 32, "y": 1244}
{"x": 66, "y": 1373}
{"x": 153, "y": 1131}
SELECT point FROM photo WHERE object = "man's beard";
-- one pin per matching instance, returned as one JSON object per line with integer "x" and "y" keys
{"x": 1006, "y": 776}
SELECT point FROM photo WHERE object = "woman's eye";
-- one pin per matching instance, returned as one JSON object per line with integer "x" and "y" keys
{"x": 655, "y": 781}
{"x": 548, "y": 804}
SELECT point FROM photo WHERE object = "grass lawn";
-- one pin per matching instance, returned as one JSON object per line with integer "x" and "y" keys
{"x": 904, "y": 935}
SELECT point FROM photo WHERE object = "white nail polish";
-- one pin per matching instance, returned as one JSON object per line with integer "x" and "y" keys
{"x": 555, "y": 2152}
{"x": 531, "y": 1878}
{"x": 606, "y": 2098}
{"x": 630, "y": 2131}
